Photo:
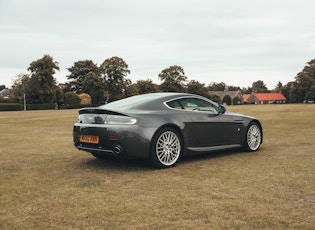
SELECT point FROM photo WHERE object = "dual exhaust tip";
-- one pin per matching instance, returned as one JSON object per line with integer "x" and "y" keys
{"x": 117, "y": 150}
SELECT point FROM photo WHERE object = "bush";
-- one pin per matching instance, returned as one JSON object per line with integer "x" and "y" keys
{"x": 17, "y": 107}
{"x": 215, "y": 98}
{"x": 72, "y": 99}
{"x": 11, "y": 107}
{"x": 44, "y": 106}
{"x": 85, "y": 99}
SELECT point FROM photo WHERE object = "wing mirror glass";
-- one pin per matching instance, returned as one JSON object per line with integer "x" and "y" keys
{"x": 221, "y": 109}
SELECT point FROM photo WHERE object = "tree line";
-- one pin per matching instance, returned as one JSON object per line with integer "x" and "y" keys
{"x": 109, "y": 82}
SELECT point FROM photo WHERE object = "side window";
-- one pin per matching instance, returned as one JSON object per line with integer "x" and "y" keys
{"x": 175, "y": 104}
{"x": 197, "y": 104}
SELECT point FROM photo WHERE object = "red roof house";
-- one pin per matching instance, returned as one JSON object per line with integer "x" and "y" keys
{"x": 246, "y": 96}
{"x": 264, "y": 98}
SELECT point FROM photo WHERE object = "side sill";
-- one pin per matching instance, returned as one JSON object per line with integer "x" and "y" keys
{"x": 214, "y": 148}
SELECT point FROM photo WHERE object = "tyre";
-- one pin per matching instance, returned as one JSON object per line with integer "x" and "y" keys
{"x": 253, "y": 137}
{"x": 166, "y": 148}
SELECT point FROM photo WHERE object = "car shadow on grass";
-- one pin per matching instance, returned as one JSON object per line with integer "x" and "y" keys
{"x": 212, "y": 155}
{"x": 127, "y": 164}
{"x": 117, "y": 163}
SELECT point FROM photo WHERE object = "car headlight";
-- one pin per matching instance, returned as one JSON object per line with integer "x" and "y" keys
{"x": 119, "y": 120}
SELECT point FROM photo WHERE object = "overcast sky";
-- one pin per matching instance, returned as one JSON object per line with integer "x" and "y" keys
{"x": 236, "y": 42}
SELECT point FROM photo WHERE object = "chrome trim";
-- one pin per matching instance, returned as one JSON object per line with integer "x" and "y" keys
{"x": 94, "y": 150}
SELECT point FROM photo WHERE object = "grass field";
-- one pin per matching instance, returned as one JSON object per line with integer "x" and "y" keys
{"x": 45, "y": 183}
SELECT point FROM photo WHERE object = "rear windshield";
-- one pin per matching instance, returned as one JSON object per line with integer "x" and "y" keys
{"x": 132, "y": 101}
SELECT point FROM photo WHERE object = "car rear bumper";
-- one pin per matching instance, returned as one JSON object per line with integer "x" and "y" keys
{"x": 131, "y": 141}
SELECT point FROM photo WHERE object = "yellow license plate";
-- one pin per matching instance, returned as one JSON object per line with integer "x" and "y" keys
{"x": 89, "y": 139}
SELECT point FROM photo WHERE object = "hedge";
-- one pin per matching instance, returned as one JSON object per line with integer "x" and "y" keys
{"x": 11, "y": 107}
{"x": 44, "y": 106}
{"x": 17, "y": 107}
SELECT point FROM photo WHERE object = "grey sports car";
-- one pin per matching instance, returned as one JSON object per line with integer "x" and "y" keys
{"x": 163, "y": 127}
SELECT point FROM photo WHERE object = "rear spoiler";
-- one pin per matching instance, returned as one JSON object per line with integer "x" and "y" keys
{"x": 97, "y": 110}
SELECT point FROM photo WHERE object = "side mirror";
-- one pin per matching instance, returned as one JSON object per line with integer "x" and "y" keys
{"x": 221, "y": 109}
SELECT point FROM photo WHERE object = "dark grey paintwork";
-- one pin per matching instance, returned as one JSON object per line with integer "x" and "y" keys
{"x": 201, "y": 131}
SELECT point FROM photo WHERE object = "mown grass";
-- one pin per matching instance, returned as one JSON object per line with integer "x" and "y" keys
{"x": 47, "y": 184}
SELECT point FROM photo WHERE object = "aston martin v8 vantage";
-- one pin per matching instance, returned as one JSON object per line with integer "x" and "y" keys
{"x": 163, "y": 127}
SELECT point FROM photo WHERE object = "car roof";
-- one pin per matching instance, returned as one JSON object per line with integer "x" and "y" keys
{"x": 151, "y": 101}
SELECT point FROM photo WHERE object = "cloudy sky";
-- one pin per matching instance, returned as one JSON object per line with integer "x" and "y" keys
{"x": 236, "y": 42}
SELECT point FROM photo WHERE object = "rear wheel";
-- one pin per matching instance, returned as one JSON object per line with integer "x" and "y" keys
{"x": 253, "y": 137}
{"x": 166, "y": 148}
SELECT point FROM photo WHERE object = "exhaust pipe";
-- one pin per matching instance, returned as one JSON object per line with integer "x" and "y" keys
{"x": 117, "y": 149}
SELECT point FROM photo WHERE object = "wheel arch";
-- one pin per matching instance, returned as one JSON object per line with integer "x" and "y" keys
{"x": 246, "y": 146}
{"x": 175, "y": 127}
{"x": 260, "y": 126}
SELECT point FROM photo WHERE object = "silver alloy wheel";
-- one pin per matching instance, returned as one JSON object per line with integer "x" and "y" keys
{"x": 168, "y": 148}
{"x": 253, "y": 137}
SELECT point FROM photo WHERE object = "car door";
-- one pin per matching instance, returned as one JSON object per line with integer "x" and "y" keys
{"x": 211, "y": 128}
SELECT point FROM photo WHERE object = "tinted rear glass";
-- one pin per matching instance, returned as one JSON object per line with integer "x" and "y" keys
{"x": 132, "y": 101}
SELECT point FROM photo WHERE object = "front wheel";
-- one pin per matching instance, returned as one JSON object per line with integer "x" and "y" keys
{"x": 166, "y": 148}
{"x": 253, "y": 137}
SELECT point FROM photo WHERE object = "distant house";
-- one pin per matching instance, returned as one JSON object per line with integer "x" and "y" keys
{"x": 232, "y": 95}
{"x": 246, "y": 96}
{"x": 264, "y": 98}
{"x": 5, "y": 93}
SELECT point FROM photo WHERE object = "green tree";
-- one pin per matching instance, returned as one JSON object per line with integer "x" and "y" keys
{"x": 309, "y": 69}
{"x": 259, "y": 87}
{"x": 286, "y": 89}
{"x": 279, "y": 87}
{"x": 20, "y": 87}
{"x": 234, "y": 88}
{"x": 173, "y": 79}
{"x": 310, "y": 94}
{"x": 131, "y": 90}
{"x": 146, "y": 86}
{"x": 78, "y": 72}
{"x": 195, "y": 87}
{"x": 304, "y": 87}
{"x": 296, "y": 95}
{"x": 215, "y": 98}
{"x": 71, "y": 99}
{"x": 2, "y": 87}
{"x": 93, "y": 85}
{"x": 114, "y": 71}
{"x": 59, "y": 96}
{"x": 42, "y": 85}
{"x": 216, "y": 86}
{"x": 247, "y": 90}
